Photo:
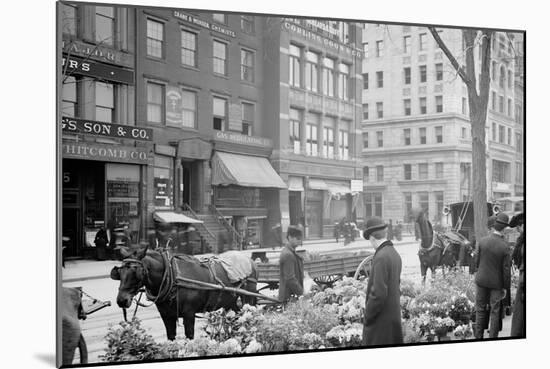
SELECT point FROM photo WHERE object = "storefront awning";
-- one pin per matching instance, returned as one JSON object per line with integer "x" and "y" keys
{"x": 317, "y": 184}
{"x": 338, "y": 188}
{"x": 173, "y": 217}
{"x": 295, "y": 184}
{"x": 246, "y": 171}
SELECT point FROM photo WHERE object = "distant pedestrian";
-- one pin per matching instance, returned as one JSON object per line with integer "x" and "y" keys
{"x": 382, "y": 321}
{"x": 291, "y": 275}
{"x": 492, "y": 279}
{"x": 518, "y": 257}
{"x": 336, "y": 231}
{"x": 100, "y": 242}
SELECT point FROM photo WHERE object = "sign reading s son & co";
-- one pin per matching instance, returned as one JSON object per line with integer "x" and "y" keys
{"x": 75, "y": 125}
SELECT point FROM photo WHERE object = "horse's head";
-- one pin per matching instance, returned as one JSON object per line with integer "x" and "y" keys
{"x": 132, "y": 275}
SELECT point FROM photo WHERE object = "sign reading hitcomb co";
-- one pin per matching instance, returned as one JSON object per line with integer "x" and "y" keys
{"x": 74, "y": 125}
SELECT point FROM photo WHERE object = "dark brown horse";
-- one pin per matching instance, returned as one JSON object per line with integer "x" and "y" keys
{"x": 438, "y": 249}
{"x": 158, "y": 274}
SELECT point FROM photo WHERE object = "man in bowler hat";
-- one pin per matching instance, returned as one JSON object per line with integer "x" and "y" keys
{"x": 382, "y": 321}
{"x": 492, "y": 278}
{"x": 291, "y": 277}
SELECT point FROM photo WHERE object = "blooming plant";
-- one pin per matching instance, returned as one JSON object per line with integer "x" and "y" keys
{"x": 430, "y": 325}
{"x": 348, "y": 335}
{"x": 463, "y": 332}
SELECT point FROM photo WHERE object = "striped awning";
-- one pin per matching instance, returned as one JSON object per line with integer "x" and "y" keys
{"x": 246, "y": 171}
{"x": 295, "y": 184}
{"x": 173, "y": 217}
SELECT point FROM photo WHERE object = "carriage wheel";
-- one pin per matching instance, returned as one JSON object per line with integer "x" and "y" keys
{"x": 363, "y": 269}
{"x": 327, "y": 280}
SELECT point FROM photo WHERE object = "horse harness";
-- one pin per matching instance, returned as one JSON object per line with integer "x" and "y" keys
{"x": 438, "y": 242}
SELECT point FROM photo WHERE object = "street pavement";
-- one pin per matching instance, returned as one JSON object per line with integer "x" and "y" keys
{"x": 94, "y": 278}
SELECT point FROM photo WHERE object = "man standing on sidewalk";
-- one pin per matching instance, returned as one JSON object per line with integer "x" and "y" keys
{"x": 492, "y": 278}
{"x": 291, "y": 277}
{"x": 382, "y": 321}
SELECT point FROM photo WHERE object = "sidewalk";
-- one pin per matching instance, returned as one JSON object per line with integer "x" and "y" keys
{"x": 80, "y": 270}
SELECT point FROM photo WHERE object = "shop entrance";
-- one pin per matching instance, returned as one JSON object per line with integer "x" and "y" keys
{"x": 295, "y": 207}
{"x": 314, "y": 213}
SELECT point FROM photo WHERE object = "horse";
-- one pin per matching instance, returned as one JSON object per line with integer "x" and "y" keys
{"x": 439, "y": 249}
{"x": 159, "y": 274}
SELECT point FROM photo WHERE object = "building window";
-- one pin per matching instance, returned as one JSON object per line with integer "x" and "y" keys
{"x": 518, "y": 142}
{"x": 502, "y": 79}
{"x": 422, "y": 133}
{"x": 501, "y": 134}
{"x": 311, "y": 139}
{"x": 366, "y": 140}
{"x": 439, "y": 134}
{"x": 424, "y": 203}
{"x": 423, "y": 171}
{"x": 218, "y": 17}
{"x": 343, "y": 82}
{"x": 220, "y": 57}
{"x": 380, "y": 79}
{"x": 373, "y": 204}
{"x": 407, "y": 136}
{"x": 422, "y": 39}
{"x": 68, "y": 16}
{"x": 247, "y": 118}
{"x": 423, "y": 74}
{"x": 501, "y": 104}
{"x": 463, "y": 132}
{"x": 379, "y": 49}
{"x": 407, "y": 75}
{"x": 155, "y": 38}
{"x": 493, "y": 70}
{"x": 465, "y": 179}
{"x": 104, "y": 25}
{"x": 189, "y": 108}
{"x": 69, "y": 100}
{"x": 380, "y": 138}
{"x": 365, "y": 111}
{"x": 439, "y": 201}
{"x": 464, "y": 106}
{"x": 366, "y": 174}
{"x": 494, "y": 130}
{"x": 188, "y": 48}
{"x": 407, "y": 106}
{"x": 439, "y": 170}
{"x": 104, "y": 102}
{"x": 439, "y": 72}
{"x": 380, "y": 110}
{"x": 219, "y": 113}
{"x": 422, "y": 102}
{"x": 312, "y": 71}
{"x": 407, "y": 197}
{"x": 407, "y": 172}
{"x": 294, "y": 129}
{"x": 328, "y": 142}
{"x": 510, "y": 113}
{"x": 510, "y": 79}
{"x": 379, "y": 173}
{"x": 519, "y": 174}
{"x": 343, "y": 144}
{"x": 439, "y": 104}
{"x": 407, "y": 44}
{"x": 493, "y": 100}
{"x": 328, "y": 77}
{"x": 365, "y": 81}
{"x": 366, "y": 50}
{"x": 501, "y": 171}
{"x": 247, "y": 24}
{"x": 509, "y": 136}
{"x": 247, "y": 65}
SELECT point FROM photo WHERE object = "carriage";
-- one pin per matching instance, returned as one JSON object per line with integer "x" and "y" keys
{"x": 462, "y": 218}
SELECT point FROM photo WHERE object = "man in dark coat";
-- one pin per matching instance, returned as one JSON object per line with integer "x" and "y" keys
{"x": 518, "y": 257}
{"x": 492, "y": 278}
{"x": 382, "y": 321}
{"x": 291, "y": 278}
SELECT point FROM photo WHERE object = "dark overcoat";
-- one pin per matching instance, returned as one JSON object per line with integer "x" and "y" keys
{"x": 493, "y": 260}
{"x": 291, "y": 277}
{"x": 382, "y": 325}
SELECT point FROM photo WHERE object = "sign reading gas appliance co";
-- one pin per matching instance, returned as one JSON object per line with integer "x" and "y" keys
{"x": 124, "y": 154}
{"x": 88, "y": 67}
{"x": 74, "y": 125}
{"x": 242, "y": 139}
{"x": 204, "y": 24}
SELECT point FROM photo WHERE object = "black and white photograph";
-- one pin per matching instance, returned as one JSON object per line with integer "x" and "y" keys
{"x": 273, "y": 186}
{"x": 241, "y": 184}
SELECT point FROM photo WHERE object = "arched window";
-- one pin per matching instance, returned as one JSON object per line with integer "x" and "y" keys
{"x": 502, "y": 80}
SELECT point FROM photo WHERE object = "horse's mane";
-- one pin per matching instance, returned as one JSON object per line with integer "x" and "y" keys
{"x": 426, "y": 230}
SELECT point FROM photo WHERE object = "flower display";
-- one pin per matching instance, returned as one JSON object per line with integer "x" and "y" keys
{"x": 463, "y": 331}
{"x": 348, "y": 335}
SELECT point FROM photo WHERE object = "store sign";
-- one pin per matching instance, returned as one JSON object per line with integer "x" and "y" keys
{"x": 162, "y": 191}
{"x": 243, "y": 139}
{"x": 204, "y": 24}
{"x": 91, "y": 68}
{"x": 323, "y": 41}
{"x": 96, "y": 52}
{"x": 124, "y": 154}
{"x": 356, "y": 185}
{"x": 90, "y": 127}
{"x": 174, "y": 106}
{"x": 502, "y": 187}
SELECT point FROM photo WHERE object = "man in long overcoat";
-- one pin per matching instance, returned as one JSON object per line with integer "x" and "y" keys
{"x": 291, "y": 277}
{"x": 492, "y": 278}
{"x": 518, "y": 258}
{"x": 382, "y": 321}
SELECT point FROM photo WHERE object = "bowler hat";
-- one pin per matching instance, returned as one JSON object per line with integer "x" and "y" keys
{"x": 372, "y": 225}
{"x": 501, "y": 221}
{"x": 294, "y": 231}
{"x": 517, "y": 220}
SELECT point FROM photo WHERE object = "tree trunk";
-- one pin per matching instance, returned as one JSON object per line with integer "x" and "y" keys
{"x": 479, "y": 174}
